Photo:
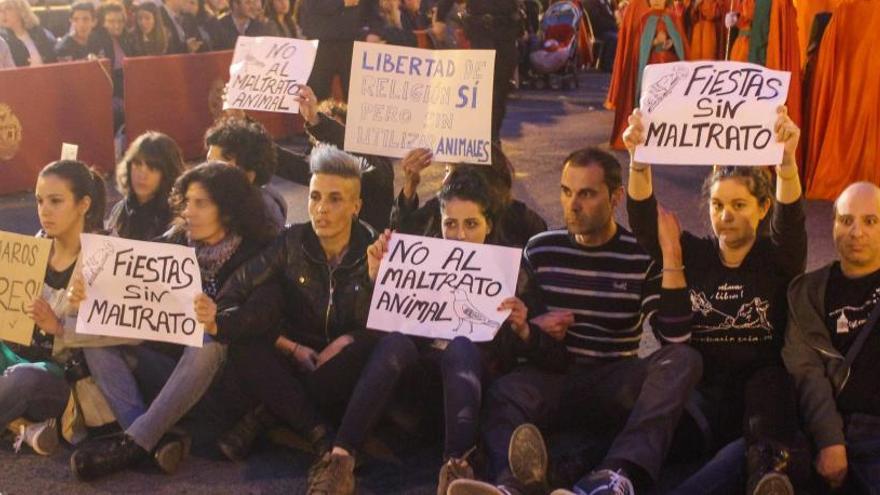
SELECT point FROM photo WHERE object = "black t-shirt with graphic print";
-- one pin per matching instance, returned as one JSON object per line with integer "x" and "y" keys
{"x": 848, "y": 303}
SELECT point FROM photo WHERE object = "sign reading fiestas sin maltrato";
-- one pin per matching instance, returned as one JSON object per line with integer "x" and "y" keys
{"x": 403, "y": 98}
{"x": 711, "y": 113}
{"x": 139, "y": 290}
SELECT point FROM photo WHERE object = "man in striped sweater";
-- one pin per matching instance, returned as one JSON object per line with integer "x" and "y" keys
{"x": 594, "y": 288}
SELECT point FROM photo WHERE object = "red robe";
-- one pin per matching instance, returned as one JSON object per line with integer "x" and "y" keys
{"x": 705, "y": 39}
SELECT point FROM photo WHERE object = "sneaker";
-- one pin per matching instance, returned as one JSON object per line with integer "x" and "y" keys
{"x": 767, "y": 464}
{"x": 42, "y": 437}
{"x": 236, "y": 443}
{"x": 332, "y": 475}
{"x": 474, "y": 487}
{"x": 105, "y": 456}
{"x": 454, "y": 469}
{"x": 605, "y": 482}
{"x": 527, "y": 457}
{"x": 172, "y": 449}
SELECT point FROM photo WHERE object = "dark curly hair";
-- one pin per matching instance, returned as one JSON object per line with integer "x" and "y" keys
{"x": 248, "y": 143}
{"x": 468, "y": 182}
{"x": 84, "y": 181}
{"x": 239, "y": 202}
{"x": 159, "y": 152}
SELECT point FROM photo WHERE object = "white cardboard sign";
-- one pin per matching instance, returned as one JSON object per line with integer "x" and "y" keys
{"x": 711, "y": 113}
{"x": 266, "y": 71}
{"x": 403, "y": 98}
{"x": 443, "y": 289}
{"x": 139, "y": 290}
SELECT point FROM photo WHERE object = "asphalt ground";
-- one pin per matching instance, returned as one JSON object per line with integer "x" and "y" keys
{"x": 541, "y": 128}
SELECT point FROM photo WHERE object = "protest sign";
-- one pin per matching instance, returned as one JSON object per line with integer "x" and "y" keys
{"x": 265, "y": 72}
{"x": 711, "y": 113}
{"x": 139, "y": 290}
{"x": 443, "y": 289}
{"x": 404, "y": 98}
{"x": 23, "y": 261}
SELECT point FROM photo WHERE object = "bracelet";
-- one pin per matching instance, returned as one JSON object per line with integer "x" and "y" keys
{"x": 673, "y": 269}
{"x": 638, "y": 169}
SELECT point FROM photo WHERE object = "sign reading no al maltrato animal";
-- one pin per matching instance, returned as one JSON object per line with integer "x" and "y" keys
{"x": 139, "y": 290}
{"x": 266, "y": 71}
{"x": 403, "y": 98}
{"x": 711, "y": 113}
{"x": 443, "y": 289}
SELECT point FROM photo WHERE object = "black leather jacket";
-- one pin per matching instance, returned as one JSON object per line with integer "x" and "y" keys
{"x": 320, "y": 302}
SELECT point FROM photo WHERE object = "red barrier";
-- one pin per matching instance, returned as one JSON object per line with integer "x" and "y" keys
{"x": 42, "y": 107}
{"x": 180, "y": 95}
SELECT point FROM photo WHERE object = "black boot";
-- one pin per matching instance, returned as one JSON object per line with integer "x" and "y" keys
{"x": 105, "y": 456}
{"x": 236, "y": 443}
{"x": 767, "y": 464}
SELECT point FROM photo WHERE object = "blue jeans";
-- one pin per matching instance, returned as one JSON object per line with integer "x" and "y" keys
{"x": 723, "y": 474}
{"x": 124, "y": 372}
{"x": 29, "y": 391}
{"x": 863, "y": 451}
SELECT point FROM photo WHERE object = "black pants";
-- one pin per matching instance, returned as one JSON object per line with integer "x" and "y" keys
{"x": 333, "y": 58}
{"x": 503, "y": 41}
{"x": 301, "y": 400}
{"x": 640, "y": 399}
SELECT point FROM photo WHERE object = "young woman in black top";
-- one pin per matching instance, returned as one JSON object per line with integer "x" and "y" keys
{"x": 737, "y": 281}
{"x": 145, "y": 176}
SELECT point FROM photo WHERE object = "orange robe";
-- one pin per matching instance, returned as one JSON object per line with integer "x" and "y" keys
{"x": 844, "y": 133}
{"x": 704, "y": 36}
{"x": 806, "y": 11}
{"x": 746, "y": 10}
{"x": 783, "y": 53}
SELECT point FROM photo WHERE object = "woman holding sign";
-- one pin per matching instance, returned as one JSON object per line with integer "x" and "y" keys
{"x": 70, "y": 201}
{"x": 737, "y": 281}
{"x": 463, "y": 367}
{"x": 221, "y": 215}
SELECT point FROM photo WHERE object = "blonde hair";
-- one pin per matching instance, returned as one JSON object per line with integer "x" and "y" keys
{"x": 28, "y": 19}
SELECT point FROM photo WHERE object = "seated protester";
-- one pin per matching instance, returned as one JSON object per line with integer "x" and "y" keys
{"x": 70, "y": 201}
{"x": 182, "y": 27}
{"x": 737, "y": 281}
{"x": 149, "y": 36}
{"x": 30, "y": 43}
{"x": 110, "y": 40}
{"x": 279, "y": 17}
{"x": 517, "y": 222}
{"x": 461, "y": 367}
{"x": 832, "y": 346}
{"x": 390, "y": 29}
{"x": 144, "y": 177}
{"x": 6, "y": 61}
{"x": 306, "y": 375}
{"x": 75, "y": 44}
{"x": 221, "y": 215}
{"x": 196, "y": 9}
{"x": 412, "y": 17}
{"x": 325, "y": 123}
{"x": 241, "y": 20}
{"x": 597, "y": 382}
{"x": 246, "y": 144}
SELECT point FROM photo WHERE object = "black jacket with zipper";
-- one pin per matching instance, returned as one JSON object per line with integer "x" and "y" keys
{"x": 817, "y": 367}
{"x": 320, "y": 302}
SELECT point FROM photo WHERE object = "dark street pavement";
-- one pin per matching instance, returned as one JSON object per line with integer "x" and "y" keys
{"x": 540, "y": 130}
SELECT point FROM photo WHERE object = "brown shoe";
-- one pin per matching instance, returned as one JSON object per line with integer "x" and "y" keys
{"x": 453, "y": 469}
{"x": 332, "y": 475}
{"x": 527, "y": 457}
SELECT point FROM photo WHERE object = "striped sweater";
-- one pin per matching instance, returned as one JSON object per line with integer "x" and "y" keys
{"x": 611, "y": 290}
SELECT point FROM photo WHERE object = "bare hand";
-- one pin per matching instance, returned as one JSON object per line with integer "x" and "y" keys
{"x": 438, "y": 29}
{"x": 76, "y": 293}
{"x": 373, "y": 38}
{"x": 375, "y": 252}
{"x": 831, "y": 464}
{"x": 193, "y": 45}
{"x": 42, "y": 314}
{"x": 206, "y": 312}
{"x": 518, "y": 316}
{"x": 634, "y": 134}
{"x": 554, "y": 323}
{"x": 351, "y": 3}
{"x": 788, "y": 133}
{"x": 333, "y": 349}
{"x": 669, "y": 235}
{"x": 413, "y": 163}
{"x": 308, "y": 104}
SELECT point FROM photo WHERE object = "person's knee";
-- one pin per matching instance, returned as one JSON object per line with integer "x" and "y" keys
{"x": 398, "y": 350}
{"x": 461, "y": 352}
{"x": 20, "y": 379}
{"x": 682, "y": 358}
{"x": 209, "y": 357}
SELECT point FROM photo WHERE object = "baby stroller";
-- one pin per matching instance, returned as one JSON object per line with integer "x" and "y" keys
{"x": 564, "y": 45}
